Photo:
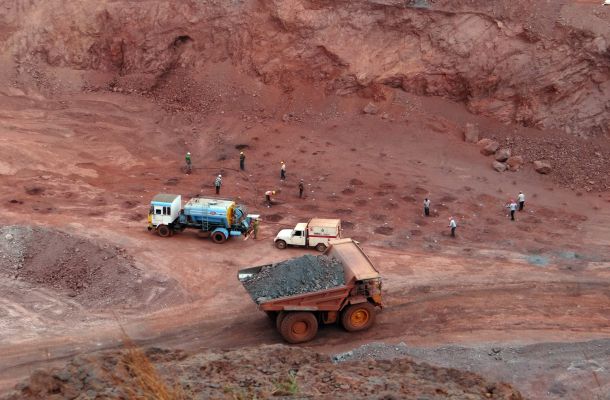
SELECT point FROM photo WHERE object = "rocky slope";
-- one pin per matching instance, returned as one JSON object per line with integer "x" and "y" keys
{"x": 531, "y": 62}
{"x": 265, "y": 372}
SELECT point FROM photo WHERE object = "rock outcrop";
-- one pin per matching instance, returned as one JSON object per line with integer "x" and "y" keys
{"x": 494, "y": 63}
{"x": 542, "y": 167}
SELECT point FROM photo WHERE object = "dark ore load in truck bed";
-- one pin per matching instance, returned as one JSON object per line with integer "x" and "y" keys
{"x": 295, "y": 276}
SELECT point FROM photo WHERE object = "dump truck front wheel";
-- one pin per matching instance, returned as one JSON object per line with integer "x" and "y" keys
{"x": 358, "y": 317}
{"x": 299, "y": 327}
{"x": 280, "y": 244}
{"x": 218, "y": 237}
{"x": 280, "y": 319}
{"x": 163, "y": 230}
{"x": 320, "y": 247}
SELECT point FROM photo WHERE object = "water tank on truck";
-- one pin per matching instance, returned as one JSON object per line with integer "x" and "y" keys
{"x": 218, "y": 218}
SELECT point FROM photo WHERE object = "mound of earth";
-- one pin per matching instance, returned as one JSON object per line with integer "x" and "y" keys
{"x": 95, "y": 274}
{"x": 295, "y": 276}
{"x": 263, "y": 372}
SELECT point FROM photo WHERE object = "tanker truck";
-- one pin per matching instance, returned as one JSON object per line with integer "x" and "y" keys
{"x": 217, "y": 218}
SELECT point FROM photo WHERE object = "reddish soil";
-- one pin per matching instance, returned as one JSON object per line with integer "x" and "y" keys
{"x": 261, "y": 373}
{"x": 87, "y": 162}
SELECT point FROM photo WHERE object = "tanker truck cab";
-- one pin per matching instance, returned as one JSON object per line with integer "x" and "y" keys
{"x": 164, "y": 210}
{"x": 315, "y": 233}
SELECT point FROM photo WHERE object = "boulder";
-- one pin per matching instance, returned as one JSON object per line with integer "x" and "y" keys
{"x": 491, "y": 148}
{"x": 499, "y": 166}
{"x": 514, "y": 163}
{"x": 370, "y": 109}
{"x": 502, "y": 154}
{"x": 542, "y": 166}
{"x": 471, "y": 133}
{"x": 484, "y": 142}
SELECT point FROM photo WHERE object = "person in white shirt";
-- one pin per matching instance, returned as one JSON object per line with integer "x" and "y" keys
{"x": 512, "y": 206}
{"x": 427, "y": 207}
{"x": 452, "y": 225}
{"x": 521, "y": 199}
{"x": 268, "y": 195}
{"x": 218, "y": 183}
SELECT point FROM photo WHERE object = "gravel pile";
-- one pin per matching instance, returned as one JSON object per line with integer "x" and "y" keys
{"x": 96, "y": 274}
{"x": 296, "y": 276}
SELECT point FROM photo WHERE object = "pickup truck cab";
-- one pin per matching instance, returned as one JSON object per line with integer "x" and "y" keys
{"x": 315, "y": 233}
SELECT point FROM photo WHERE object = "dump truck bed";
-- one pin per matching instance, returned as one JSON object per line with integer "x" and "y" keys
{"x": 355, "y": 267}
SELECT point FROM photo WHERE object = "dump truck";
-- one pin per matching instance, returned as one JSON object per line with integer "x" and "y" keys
{"x": 217, "y": 218}
{"x": 353, "y": 298}
{"x": 315, "y": 233}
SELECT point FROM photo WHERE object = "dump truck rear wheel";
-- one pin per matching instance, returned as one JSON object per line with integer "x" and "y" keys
{"x": 219, "y": 237}
{"x": 163, "y": 230}
{"x": 358, "y": 317}
{"x": 280, "y": 244}
{"x": 299, "y": 327}
{"x": 320, "y": 247}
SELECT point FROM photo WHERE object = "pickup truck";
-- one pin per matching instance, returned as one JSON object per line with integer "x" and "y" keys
{"x": 354, "y": 302}
{"x": 315, "y": 233}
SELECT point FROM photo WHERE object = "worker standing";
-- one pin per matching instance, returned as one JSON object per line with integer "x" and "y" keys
{"x": 427, "y": 207}
{"x": 255, "y": 227}
{"x": 521, "y": 199}
{"x": 218, "y": 183}
{"x": 301, "y": 188}
{"x": 268, "y": 195}
{"x": 512, "y": 206}
{"x": 453, "y": 226}
{"x": 242, "y": 161}
{"x": 189, "y": 165}
{"x": 283, "y": 171}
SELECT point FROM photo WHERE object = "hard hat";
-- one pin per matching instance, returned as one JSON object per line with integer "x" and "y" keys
{"x": 188, "y": 152}
{"x": 241, "y": 152}
{"x": 220, "y": 176}
{"x": 273, "y": 192}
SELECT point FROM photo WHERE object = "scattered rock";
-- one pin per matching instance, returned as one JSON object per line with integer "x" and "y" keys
{"x": 514, "y": 163}
{"x": 484, "y": 142}
{"x": 490, "y": 148}
{"x": 471, "y": 133}
{"x": 502, "y": 154}
{"x": 9, "y": 237}
{"x": 499, "y": 166}
{"x": 371, "y": 109}
{"x": 34, "y": 190}
{"x": 542, "y": 166}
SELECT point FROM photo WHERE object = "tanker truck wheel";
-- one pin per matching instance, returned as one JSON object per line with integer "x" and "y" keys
{"x": 321, "y": 247}
{"x": 218, "y": 237}
{"x": 280, "y": 244}
{"x": 299, "y": 327}
{"x": 163, "y": 230}
{"x": 358, "y": 317}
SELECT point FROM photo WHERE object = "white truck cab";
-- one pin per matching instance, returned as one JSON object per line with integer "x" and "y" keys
{"x": 164, "y": 210}
{"x": 315, "y": 233}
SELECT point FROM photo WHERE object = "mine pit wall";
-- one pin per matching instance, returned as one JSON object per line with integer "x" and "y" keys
{"x": 497, "y": 66}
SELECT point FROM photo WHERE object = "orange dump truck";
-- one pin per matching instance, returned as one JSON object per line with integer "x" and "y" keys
{"x": 354, "y": 301}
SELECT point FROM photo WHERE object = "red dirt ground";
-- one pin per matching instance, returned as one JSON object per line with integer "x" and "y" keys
{"x": 88, "y": 162}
